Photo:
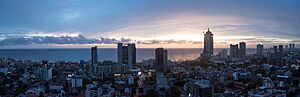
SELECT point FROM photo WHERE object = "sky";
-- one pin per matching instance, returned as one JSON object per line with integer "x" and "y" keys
{"x": 148, "y": 23}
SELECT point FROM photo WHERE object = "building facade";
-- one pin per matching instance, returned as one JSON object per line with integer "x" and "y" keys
{"x": 243, "y": 49}
{"x": 208, "y": 44}
{"x": 234, "y": 50}
{"x": 259, "y": 49}
{"x": 126, "y": 54}
{"x": 161, "y": 60}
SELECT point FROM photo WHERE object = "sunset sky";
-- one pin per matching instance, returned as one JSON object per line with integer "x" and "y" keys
{"x": 149, "y": 23}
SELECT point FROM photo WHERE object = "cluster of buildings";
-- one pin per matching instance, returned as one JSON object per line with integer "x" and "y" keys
{"x": 272, "y": 72}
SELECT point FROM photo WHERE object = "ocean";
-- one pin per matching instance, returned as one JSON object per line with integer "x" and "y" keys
{"x": 103, "y": 54}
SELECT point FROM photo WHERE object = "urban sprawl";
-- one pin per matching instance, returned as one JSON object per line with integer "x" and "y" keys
{"x": 271, "y": 72}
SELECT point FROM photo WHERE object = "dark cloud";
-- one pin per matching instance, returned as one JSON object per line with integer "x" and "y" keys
{"x": 29, "y": 40}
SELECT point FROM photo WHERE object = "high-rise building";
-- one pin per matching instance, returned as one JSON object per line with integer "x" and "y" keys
{"x": 293, "y": 46}
{"x": 280, "y": 49}
{"x": 208, "y": 44}
{"x": 275, "y": 50}
{"x": 45, "y": 73}
{"x": 259, "y": 49}
{"x": 93, "y": 61}
{"x": 161, "y": 60}
{"x": 81, "y": 64}
{"x": 126, "y": 54}
{"x": 242, "y": 50}
{"x": 234, "y": 49}
{"x": 94, "y": 55}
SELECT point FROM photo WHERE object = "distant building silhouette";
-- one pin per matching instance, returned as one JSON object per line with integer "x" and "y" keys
{"x": 126, "y": 54}
{"x": 259, "y": 49}
{"x": 208, "y": 44}
{"x": 280, "y": 49}
{"x": 93, "y": 60}
{"x": 242, "y": 50}
{"x": 275, "y": 50}
{"x": 94, "y": 55}
{"x": 293, "y": 46}
{"x": 161, "y": 60}
{"x": 234, "y": 49}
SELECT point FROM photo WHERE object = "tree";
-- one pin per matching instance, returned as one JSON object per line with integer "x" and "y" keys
{"x": 152, "y": 93}
{"x": 174, "y": 92}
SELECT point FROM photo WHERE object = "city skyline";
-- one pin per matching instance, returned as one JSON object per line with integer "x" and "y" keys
{"x": 149, "y": 48}
{"x": 178, "y": 24}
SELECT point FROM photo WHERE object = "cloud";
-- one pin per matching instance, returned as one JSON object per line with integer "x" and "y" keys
{"x": 64, "y": 38}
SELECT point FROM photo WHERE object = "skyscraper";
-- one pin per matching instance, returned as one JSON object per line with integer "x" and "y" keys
{"x": 126, "y": 54}
{"x": 208, "y": 44}
{"x": 280, "y": 49}
{"x": 293, "y": 46}
{"x": 94, "y": 55}
{"x": 259, "y": 49}
{"x": 242, "y": 51}
{"x": 161, "y": 60}
{"x": 275, "y": 49}
{"x": 234, "y": 49}
{"x": 45, "y": 72}
{"x": 93, "y": 60}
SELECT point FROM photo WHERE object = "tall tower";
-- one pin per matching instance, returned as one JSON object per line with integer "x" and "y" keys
{"x": 242, "y": 51}
{"x": 126, "y": 54}
{"x": 94, "y": 55}
{"x": 259, "y": 49}
{"x": 93, "y": 60}
{"x": 161, "y": 60}
{"x": 234, "y": 49}
{"x": 208, "y": 44}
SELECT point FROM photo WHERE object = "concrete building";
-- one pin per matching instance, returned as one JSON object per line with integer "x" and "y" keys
{"x": 200, "y": 88}
{"x": 161, "y": 81}
{"x": 259, "y": 49}
{"x": 92, "y": 91}
{"x": 161, "y": 60}
{"x": 94, "y": 55}
{"x": 280, "y": 49}
{"x": 126, "y": 54}
{"x": 242, "y": 50}
{"x": 234, "y": 50}
{"x": 208, "y": 44}
{"x": 45, "y": 73}
{"x": 76, "y": 81}
{"x": 93, "y": 60}
{"x": 107, "y": 70}
{"x": 293, "y": 46}
{"x": 275, "y": 50}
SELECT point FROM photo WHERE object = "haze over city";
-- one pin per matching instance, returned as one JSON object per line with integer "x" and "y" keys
{"x": 150, "y": 24}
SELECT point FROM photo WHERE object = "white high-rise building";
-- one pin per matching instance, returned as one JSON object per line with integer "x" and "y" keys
{"x": 126, "y": 54}
{"x": 45, "y": 73}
